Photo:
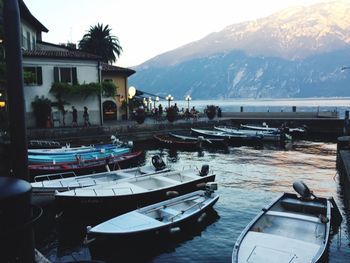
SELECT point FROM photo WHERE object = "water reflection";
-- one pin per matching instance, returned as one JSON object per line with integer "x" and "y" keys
{"x": 249, "y": 178}
{"x": 146, "y": 249}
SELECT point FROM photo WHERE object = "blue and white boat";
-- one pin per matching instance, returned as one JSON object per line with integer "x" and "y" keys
{"x": 158, "y": 218}
{"x": 70, "y": 150}
{"x": 74, "y": 156}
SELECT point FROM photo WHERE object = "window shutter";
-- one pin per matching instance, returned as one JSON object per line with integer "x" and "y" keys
{"x": 55, "y": 75}
{"x": 74, "y": 76}
{"x": 39, "y": 76}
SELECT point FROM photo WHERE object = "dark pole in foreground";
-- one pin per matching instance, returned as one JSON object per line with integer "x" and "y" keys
{"x": 19, "y": 158}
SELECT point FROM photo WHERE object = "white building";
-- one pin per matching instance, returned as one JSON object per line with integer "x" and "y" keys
{"x": 45, "y": 63}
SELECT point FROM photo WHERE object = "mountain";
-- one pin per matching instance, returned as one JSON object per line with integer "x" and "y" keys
{"x": 297, "y": 52}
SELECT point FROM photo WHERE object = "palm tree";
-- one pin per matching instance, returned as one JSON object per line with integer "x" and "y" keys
{"x": 99, "y": 41}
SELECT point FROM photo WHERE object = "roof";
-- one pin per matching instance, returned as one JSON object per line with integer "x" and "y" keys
{"x": 106, "y": 68}
{"x": 27, "y": 16}
{"x": 68, "y": 54}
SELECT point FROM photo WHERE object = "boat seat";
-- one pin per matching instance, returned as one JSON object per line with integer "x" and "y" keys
{"x": 263, "y": 247}
{"x": 294, "y": 216}
{"x": 298, "y": 205}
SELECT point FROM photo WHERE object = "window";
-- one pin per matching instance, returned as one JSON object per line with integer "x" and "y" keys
{"x": 33, "y": 42}
{"x": 28, "y": 41}
{"x": 66, "y": 75}
{"x": 32, "y": 76}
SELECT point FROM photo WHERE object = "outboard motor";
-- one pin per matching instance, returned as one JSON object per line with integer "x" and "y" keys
{"x": 200, "y": 138}
{"x": 301, "y": 188}
{"x": 210, "y": 188}
{"x": 204, "y": 170}
{"x": 158, "y": 163}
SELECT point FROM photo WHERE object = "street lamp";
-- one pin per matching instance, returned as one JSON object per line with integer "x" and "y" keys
{"x": 150, "y": 103}
{"x": 188, "y": 99}
{"x": 156, "y": 101}
{"x": 131, "y": 92}
{"x": 169, "y": 98}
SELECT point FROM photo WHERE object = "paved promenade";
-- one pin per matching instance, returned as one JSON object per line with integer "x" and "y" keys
{"x": 324, "y": 125}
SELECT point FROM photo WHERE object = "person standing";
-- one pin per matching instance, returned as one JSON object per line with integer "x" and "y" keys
{"x": 75, "y": 117}
{"x": 86, "y": 117}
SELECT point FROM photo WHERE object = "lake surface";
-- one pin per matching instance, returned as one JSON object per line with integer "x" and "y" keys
{"x": 249, "y": 178}
{"x": 273, "y": 105}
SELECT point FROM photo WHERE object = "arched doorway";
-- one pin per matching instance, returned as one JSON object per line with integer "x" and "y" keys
{"x": 109, "y": 110}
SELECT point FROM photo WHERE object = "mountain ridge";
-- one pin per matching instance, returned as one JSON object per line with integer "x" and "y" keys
{"x": 297, "y": 38}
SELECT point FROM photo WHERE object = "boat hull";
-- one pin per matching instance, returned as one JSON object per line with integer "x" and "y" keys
{"x": 92, "y": 166}
{"x": 113, "y": 205}
{"x": 290, "y": 229}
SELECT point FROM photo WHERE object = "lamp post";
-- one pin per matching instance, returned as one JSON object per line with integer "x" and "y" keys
{"x": 188, "y": 99}
{"x": 131, "y": 94}
{"x": 156, "y": 101}
{"x": 150, "y": 103}
{"x": 169, "y": 98}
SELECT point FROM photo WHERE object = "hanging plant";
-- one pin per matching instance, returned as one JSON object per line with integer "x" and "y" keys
{"x": 171, "y": 114}
{"x": 64, "y": 89}
{"x": 210, "y": 110}
{"x": 109, "y": 89}
{"x": 42, "y": 110}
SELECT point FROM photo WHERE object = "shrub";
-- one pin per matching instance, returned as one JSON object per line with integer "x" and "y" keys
{"x": 42, "y": 110}
{"x": 171, "y": 114}
{"x": 210, "y": 110}
{"x": 140, "y": 115}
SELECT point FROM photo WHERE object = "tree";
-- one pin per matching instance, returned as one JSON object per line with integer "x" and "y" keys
{"x": 99, "y": 41}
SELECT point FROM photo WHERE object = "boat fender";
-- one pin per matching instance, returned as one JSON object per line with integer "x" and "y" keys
{"x": 158, "y": 163}
{"x": 204, "y": 170}
{"x": 323, "y": 219}
{"x": 174, "y": 230}
{"x": 130, "y": 144}
{"x": 301, "y": 188}
{"x": 200, "y": 138}
{"x": 172, "y": 193}
{"x": 202, "y": 217}
{"x": 201, "y": 186}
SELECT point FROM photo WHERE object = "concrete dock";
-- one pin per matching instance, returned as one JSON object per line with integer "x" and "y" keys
{"x": 323, "y": 125}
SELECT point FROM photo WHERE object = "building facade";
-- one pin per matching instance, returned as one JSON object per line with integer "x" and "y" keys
{"x": 45, "y": 64}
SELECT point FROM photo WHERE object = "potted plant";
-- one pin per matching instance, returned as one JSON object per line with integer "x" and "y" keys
{"x": 210, "y": 110}
{"x": 140, "y": 115}
{"x": 171, "y": 114}
{"x": 42, "y": 110}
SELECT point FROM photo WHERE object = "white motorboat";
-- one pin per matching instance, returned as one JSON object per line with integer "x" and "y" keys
{"x": 159, "y": 218}
{"x": 269, "y": 136}
{"x": 45, "y": 186}
{"x": 291, "y": 229}
{"x": 120, "y": 196}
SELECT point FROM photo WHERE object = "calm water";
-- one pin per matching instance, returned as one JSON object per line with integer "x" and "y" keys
{"x": 273, "y": 105}
{"x": 248, "y": 178}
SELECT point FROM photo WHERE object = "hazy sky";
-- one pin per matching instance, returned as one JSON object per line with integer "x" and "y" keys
{"x": 147, "y": 28}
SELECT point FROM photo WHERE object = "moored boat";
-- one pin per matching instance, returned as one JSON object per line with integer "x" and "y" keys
{"x": 231, "y": 138}
{"x": 169, "y": 141}
{"x": 291, "y": 229}
{"x": 81, "y": 167}
{"x": 73, "y": 157}
{"x": 70, "y": 150}
{"x": 206, "y": 142}
{"x": 45, "y": 186}
{"x": 127, "y": 194}
{"x": 289, "y": 130}
{"x": 266, "y": 136}
{"x": 158, "y": 218}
